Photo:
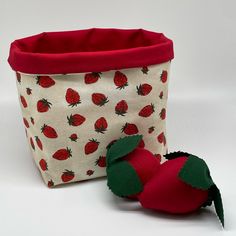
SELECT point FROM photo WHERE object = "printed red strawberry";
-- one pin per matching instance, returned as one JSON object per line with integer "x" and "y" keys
{"x": 145, "y": 70}
{"x": 161, "y": 138}
{"x": 76, "y": 119}
{"x": 121, "y": 108}
{"x": 101, "y": 125}
{"x": 101, "y": 161}
{"x": 43, "y": 105}
{"x": 18, "y": 77}
{"x": 43, "y": 165}
{"x": 120, "y": 80}
{"x": 163, "y": 114}
{"x": 151, "y": 129}
{"x": 45, "y": 81}
{"x": 49, "y": 131}
{"x": 39, "y": 142}
{"x": 50, "y": 183}
{"x": 99, "y": 99}
{"x": 91, "y": 78}
{"x": 29, "y": 91}
{"x": 62, "y": 154}
{"x": 73, "y": 137}
{"x": 26, "y": 123}
{"x": 91, "y": 146}
{"x": 146, "y": 111}
{"x": 127, "y": 163}
{"x": 32, "y": 143}
{"x": 161, "y": 95}
{"x": 32, "y": 120}
{"x": 130, "y": 129}
{"x": 23, "y": 101}
{"x": 144, "y": 89}
{"x": 164, "y": 76}
{"x": 72, "y": 97}
{"x": 67, "y": 176}
{"x": 164, "y": 141}
{"x": 89, "y": 172}
{"x": 182, "y": 185}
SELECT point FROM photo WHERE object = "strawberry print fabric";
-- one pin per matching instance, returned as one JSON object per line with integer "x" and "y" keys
{"x": 71, "y": 119}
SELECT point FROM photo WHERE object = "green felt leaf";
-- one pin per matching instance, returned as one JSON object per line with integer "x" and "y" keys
{"x": 122, "y": 147}
{"x": 195, "y": 172}
{"x": 218, "y": 203}
{"x": 122, "y": 179}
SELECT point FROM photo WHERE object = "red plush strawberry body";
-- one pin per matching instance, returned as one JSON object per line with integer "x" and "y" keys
{"x": 182, "y": 184}
{"x": 167, "y": 192}
{"x": 129, "y": 167}
{"x": 143, "y": 162}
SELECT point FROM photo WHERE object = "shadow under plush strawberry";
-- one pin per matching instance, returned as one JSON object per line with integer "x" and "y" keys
{"x": 180, "y": 185}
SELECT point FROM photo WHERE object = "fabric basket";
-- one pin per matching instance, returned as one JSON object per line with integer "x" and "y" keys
{"x": 81, "y": 90}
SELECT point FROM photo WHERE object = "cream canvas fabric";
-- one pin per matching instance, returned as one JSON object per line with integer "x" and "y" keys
{"x": 71, "y": 119}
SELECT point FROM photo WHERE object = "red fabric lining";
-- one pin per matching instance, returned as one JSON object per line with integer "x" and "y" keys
{"x": 90, "y": 50}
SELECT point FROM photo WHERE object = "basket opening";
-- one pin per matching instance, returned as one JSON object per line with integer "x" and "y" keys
{"x": 95, "y": 49}
{"x": 92, "y": 40}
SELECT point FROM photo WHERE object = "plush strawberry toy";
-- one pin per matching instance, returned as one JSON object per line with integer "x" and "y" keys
{"x": 129, "y": 167}
{"x": 183, "y": 184}
{"x": 180, "y": 185}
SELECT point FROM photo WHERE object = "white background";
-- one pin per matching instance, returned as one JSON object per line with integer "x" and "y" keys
{"x": 201, "y": 117}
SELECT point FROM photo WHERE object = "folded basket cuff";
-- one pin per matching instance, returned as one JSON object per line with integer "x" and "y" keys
{"x": 89, "y": 50}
